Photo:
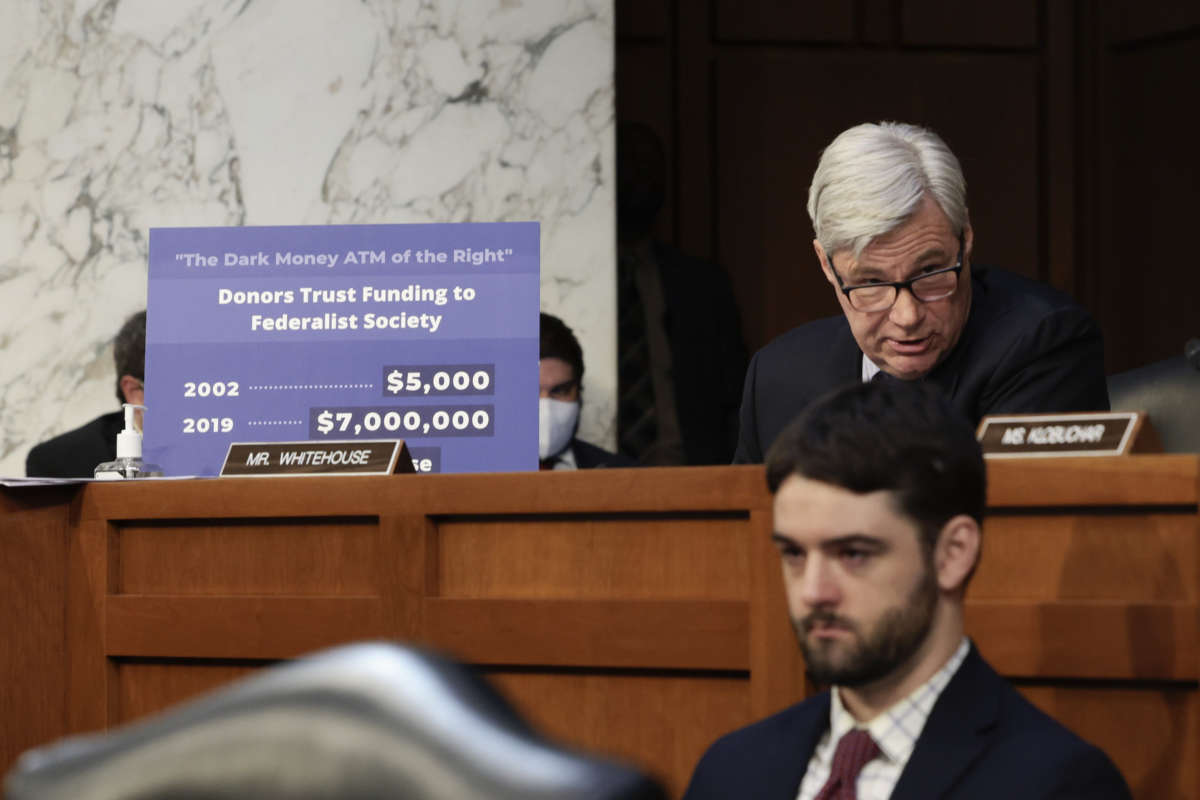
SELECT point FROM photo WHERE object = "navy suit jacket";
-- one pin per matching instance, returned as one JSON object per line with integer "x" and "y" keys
{"x": 982, "y": 741}
{"x": 588, "y": 456}
{"x": 76, "y": 454}
{"x": 1024, "y": 348}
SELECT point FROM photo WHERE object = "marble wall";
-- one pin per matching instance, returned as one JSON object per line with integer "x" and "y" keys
{"x": 121, "y": 115}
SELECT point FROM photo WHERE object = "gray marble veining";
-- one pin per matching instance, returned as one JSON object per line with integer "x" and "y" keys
{"x": 121, "y": 115}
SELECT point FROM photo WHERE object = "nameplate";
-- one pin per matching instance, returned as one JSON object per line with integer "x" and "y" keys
{"x": 1062, "y": 435}
{"x": 359, "y": 457}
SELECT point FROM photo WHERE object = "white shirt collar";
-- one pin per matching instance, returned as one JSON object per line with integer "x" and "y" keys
{"x": 897, "y": 729}
{"x": 869, "y": 369}
{"x": 565, "y": 459}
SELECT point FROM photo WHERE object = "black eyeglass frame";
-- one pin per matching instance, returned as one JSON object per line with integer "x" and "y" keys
{"x": 898, "y": 285}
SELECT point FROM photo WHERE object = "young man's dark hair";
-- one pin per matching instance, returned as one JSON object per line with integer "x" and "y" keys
{"x": 557, "y": 341}
{"x": 129, "y": 350}
{"x": 893, "y": 435}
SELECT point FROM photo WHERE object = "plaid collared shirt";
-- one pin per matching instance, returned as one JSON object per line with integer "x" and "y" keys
{"x": 895, "y": 731}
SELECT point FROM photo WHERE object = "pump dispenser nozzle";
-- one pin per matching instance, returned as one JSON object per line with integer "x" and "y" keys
{"x": 129, "y": 462}
{"x": 129, "y": 441}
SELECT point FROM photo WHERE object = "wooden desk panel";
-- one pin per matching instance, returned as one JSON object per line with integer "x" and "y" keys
{"x": 637, "y": 612}
{"x": 1086, "y": 597}
{"x": 611, "y": 605}
{"x": 34, "y": 535}
{"x": 1150, "y": 730}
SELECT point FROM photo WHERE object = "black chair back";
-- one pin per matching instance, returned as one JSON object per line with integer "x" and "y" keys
{"x": 1170, "y": 392}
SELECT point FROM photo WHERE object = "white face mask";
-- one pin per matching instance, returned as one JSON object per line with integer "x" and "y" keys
{"x": 556, "y": 426}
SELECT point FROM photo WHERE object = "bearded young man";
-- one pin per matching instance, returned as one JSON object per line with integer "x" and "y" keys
{"x": 879, "y": 497}
{"x": 894, "y": 240}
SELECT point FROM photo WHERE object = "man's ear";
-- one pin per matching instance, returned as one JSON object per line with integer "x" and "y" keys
{"x": 957, "y": 552}
{"x": 968, "y": 241}
{"x": 824, "y": 262}
{"x": 133, "y": 390}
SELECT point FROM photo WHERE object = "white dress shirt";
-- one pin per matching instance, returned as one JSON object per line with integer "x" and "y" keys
{"x": 869, "y": 369}
{"x": 565, "y": 459}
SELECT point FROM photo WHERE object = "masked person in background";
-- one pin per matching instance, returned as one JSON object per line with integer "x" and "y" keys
{"x": 560, "y": 373}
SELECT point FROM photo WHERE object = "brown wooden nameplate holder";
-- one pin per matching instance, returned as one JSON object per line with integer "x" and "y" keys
{"x": 357, "y": 457}
{"x": 1101, "y": 433}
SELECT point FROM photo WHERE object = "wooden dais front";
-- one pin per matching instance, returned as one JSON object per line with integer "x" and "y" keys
{"x": 634, "y": 612}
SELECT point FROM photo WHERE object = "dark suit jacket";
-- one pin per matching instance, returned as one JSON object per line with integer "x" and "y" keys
{"x": 982, "y": 741}
{"x": 76, "y": 453}
{"x": 588, "y": 456}
{"x": 1025, "y": 348}
{"x": 708, "y": 358}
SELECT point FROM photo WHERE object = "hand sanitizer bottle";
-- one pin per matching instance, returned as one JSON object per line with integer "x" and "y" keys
{"x": 129, "y": 462}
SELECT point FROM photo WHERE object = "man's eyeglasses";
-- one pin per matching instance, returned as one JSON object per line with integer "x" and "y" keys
{"x": 927, "y": 287}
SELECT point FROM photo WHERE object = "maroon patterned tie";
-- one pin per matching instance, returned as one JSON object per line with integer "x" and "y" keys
{"x": 854, "y": 750}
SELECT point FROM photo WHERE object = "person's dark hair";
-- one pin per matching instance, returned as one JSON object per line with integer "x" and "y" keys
{"x": 557, "y": 341}
{"x": 888, "y": 435}
{"x": 129, "y": 350}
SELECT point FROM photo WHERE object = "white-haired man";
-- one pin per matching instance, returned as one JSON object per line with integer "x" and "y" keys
{"x": 894, "y": 239}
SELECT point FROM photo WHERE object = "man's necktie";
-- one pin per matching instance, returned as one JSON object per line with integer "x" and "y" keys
{"x": 637, "y": 425}
{"x": 854, "y": 750}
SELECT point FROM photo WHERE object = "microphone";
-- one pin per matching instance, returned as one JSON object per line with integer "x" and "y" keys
{"x": 1191, "y": 351}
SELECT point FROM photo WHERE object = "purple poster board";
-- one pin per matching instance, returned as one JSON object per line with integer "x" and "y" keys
{"x": 427, "y": 333}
